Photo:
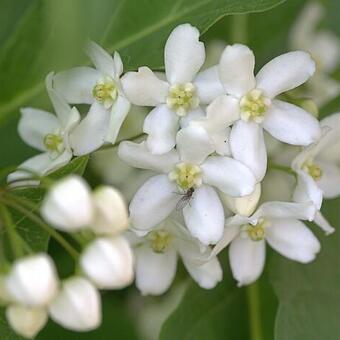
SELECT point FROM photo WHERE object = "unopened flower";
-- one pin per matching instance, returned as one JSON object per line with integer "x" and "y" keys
{"x": 26, "y": 321}
{"x": 278, "y": 224}
{"x": 77, "y": 306}
{"x": 251, "y": 105}
{"x": 32, "y": 281}
{"x": 108, "y": 262}
{"x": 189, "y": 176}
{"x": 318, "y": 169}
{"x": 156, "y": 259}
{"x": 100, "y": 87}
{"x": 48, "y": 133}
{"x": 177, "y": 99}
{"x": 324, "y": 47}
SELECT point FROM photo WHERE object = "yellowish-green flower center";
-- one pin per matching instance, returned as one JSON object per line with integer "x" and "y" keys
{"x": 53, "y": 143}
{"x": 182, "y": 98}
{"x": 105, "y": 91}
{"x": 312, "y": 169}
{"x": 253, "y": 106}
{"x": 186, "y": 175}
{"x": 160, "y": 240}
{"x": 257, "y": 232}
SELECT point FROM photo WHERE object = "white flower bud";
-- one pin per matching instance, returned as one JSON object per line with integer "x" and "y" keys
{"x": 111, "y": 215}
{"x": 26, "y": 321}
{"x": 68, "y": 205}
{"x": 108, "y": 262}
{"x": 77, "y": 306}
{"x": 32, "y": 280}
{"x": 243, "y": 205}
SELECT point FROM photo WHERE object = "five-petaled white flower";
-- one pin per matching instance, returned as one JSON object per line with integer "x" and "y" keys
{"x": 318, "y": 169}
{"x": 279, "y": 224}
{"x": 48, "y": 133}
{"x": 250, "y": 104}
{"x": 156, "y": 258}
{"x": 177, "y": 99}
{"x": 188, "y": 173}
{"x": 101, "y": 88}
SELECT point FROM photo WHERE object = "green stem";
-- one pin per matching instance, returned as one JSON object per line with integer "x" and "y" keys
{"x": 282, "y": 168}
{"x": 36, "y": 219}
{"x": 254, "y": 309}
{"x": 13, "y": 236}
{"x": 131, "y": 139}
{"x": 239, "y": 28}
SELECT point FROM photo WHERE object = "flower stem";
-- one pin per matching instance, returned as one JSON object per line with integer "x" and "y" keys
{"x": 131, "y": 139}
{"x": 282, "y": 168}
{"x": 254, "y": 310}
{"x": 239, "y": 28}
{"x": 36, "y": 219}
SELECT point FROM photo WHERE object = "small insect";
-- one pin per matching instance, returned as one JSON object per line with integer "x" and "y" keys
{"x": 185, "y": 199}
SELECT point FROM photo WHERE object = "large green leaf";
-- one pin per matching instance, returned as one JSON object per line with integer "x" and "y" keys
{"x": 309, "y": 294}
{"x": 48, "y": 35}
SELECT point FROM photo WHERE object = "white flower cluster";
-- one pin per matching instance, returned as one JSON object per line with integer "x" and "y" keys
{"x": 205, "y": 144}
{"x": 31, "y": 290}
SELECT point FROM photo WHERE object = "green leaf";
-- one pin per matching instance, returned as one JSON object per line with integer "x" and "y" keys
{"x": 309, "y": 294}
{"x": 48, "y": 35}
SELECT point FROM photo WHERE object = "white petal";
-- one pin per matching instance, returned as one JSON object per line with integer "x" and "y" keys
{"x": 248, "y": 146}
{"x": 194, "y": 144}
{"x": 204, "y": 215}
{"x": 285, "y": 72}
{"x": 26, "y": 321}
{"x": 184, "y": 54}
{"x": 61, "y": 108}
{"x": 154, "y": 271}
{"x": 34, "y": 125}
{"x": 329, "y": 182}
{"x": 90, "y": 134}
{"x": 138, "y": 156}
{"x": 76, "y": 85}
{"x": 77, "y": 306}
{"x": 153, "y": 202}
{"x": 332, "y": 153}
{"x": 111, "y": 216}
{"x": 161, "y": 125}
{"x": 307, "y": 190}
{"x": 298, "y": 211}
{"x": 192, "y": 115}
{"x": 292, "y": 239}
{"x": 32, "y": 280}
{"x": 119, "y": 111}
{"x": 291, "y": 124}
{"x": 144, "y": 88}
{"x": 68, "y": 205}
{"x": 247, "y": 260}
{"x": 228, "y": 175}
{"x": 207, "y": 275}
{"x": 221, "y": 141}
{"x": 236, "y": 69}
{"x": 117, "y": 64}
{"x": 208, "y": 85}
{"x": 108, "y": 263}
{"x": 102, "y": 60}
{"x": 321, "y": 222}
{"x": 221, "y": 113}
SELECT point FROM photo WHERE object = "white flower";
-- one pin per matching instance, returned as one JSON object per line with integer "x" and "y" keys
{"x": 69, "y": 205}
{"x": 108, "y": 262}
{"x": 48, "y": 133}
{"x": 177, "y": 99}
{"x": 101, "y": 88}
{"x": 251, "y": 105}
{"x": 26, "y": 321}
{"x": 189, "y": 176}
{"x": 324, "y": 47}
{"x": 156, "y": 259}
{"x": 278, "y": 224}
{"x": 77, "y": 306}
{"x": 318, "y": 169}
{"x": 32, "y": 280}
